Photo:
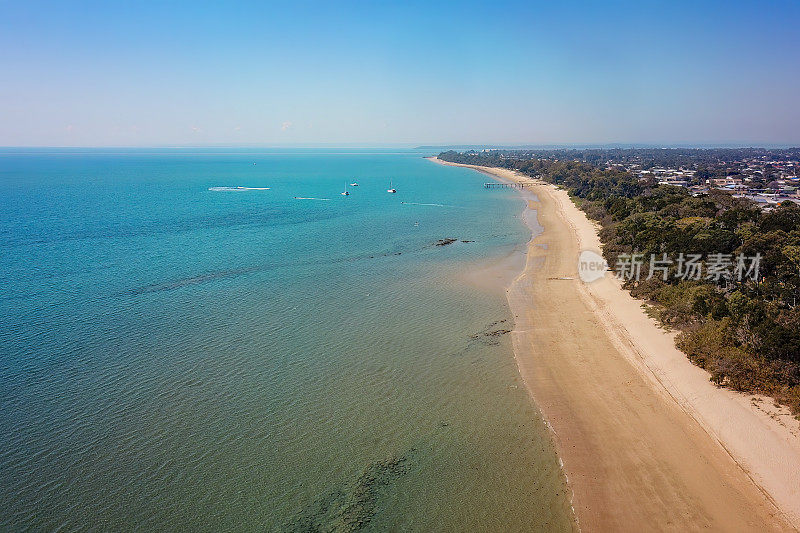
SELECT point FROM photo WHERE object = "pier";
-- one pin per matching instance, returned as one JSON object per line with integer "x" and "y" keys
{"x": 498, "y": 185}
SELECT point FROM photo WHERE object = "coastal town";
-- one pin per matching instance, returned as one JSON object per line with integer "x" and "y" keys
{"x": 766, "y": 182}
{"x": 768, "y": 177}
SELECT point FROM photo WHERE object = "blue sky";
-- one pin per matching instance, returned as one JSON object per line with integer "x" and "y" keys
{"x": 193, "y": 73}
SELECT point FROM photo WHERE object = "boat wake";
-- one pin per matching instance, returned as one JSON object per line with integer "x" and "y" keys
{"x": 222, "y": 189}
{"x": 304, "y": 198}
{"x": 434, "y": 205}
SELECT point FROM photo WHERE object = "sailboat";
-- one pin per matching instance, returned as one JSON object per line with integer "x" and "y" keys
{"x": 391, "y": 189}
{"x": 345, "y": 192}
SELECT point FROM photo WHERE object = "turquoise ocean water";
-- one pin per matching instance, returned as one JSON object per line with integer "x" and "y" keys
{"x": 174, "y": 358}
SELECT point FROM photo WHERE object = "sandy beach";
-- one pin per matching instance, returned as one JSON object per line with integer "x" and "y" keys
{"x": 647, "y": 442}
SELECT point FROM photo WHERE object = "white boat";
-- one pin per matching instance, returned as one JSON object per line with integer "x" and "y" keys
{"x": 345, "y": 192}
{"x": 354, "y": 184}
{"x": 391, "y": 188}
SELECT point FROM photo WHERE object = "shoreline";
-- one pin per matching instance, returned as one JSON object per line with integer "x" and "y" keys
{"x": 644, "y": 437}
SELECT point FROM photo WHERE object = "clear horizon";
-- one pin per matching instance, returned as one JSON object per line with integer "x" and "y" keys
{"x": 420, "y": 146}
{"x": 90, "y": 74}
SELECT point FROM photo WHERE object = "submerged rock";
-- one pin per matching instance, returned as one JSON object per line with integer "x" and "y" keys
{"x": 491, "y": 333}
{"x": 353, "y": 508}
{"x": 445, "y": 242}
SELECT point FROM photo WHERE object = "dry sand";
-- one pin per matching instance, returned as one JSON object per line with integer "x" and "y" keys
{"x": 647, "y": 442}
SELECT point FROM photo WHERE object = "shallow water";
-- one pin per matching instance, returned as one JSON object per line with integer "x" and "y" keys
{"x": 179, "y": 358}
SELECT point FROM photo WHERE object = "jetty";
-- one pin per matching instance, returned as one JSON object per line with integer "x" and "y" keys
{"x": 514, "y": 185}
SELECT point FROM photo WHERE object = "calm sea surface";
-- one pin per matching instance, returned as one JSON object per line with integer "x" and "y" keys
{"x": 174, "y": 358}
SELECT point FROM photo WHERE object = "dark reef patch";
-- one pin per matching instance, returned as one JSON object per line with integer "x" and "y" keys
{"x": 491, "y": 334}
{"x": 354, "y": 507}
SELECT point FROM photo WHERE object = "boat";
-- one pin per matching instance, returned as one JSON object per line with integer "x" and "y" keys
{"x": 354, "y": 184}
{"x": 391, "y": 188}
{"x": 345, "y": 192}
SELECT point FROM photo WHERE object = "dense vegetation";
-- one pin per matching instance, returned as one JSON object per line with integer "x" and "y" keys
{"x": 707, "y": 163}
{"x": 647, "y": 157}
{"x": 746, "y": 334}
